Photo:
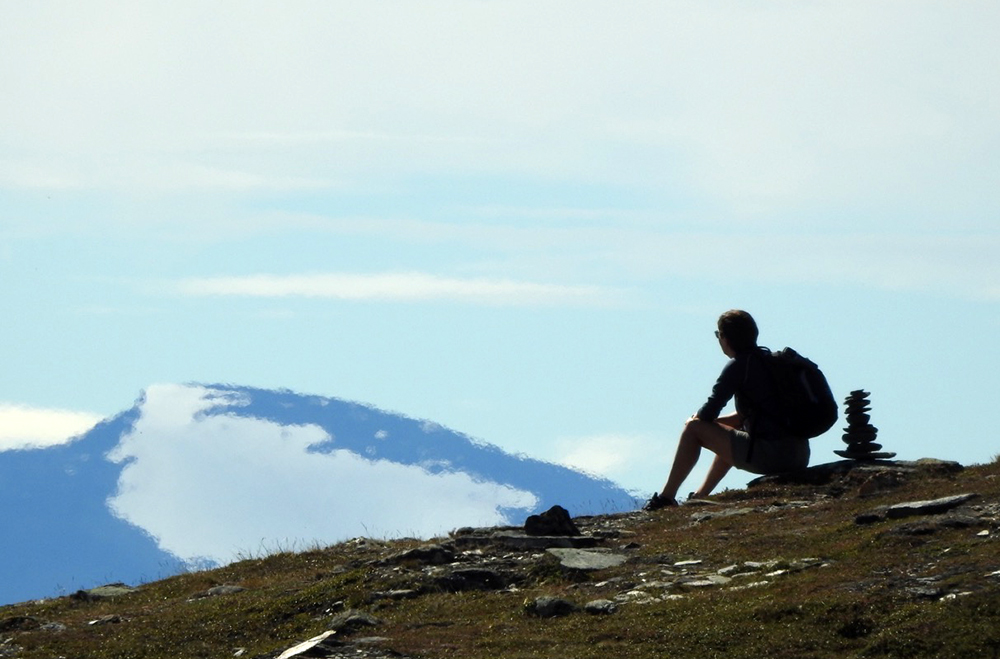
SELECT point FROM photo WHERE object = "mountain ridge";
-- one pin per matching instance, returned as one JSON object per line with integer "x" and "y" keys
{"x": 195, "y": 475}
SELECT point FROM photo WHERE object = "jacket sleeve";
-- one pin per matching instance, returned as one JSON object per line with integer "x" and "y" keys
{"x": 724, "y": 389}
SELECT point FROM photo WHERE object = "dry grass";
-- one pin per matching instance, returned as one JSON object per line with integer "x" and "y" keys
{"x": 859, "y": 604}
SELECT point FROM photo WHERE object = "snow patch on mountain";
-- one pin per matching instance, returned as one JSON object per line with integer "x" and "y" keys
{"x": 208, "y": 486}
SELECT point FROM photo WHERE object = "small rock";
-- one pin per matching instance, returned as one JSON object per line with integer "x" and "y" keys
{"x": 925, "y": 592}
{"x": 427, "y": 555}
{"x": 600, "y": 607}
{"x": 636, "y": 597}
{"x": 474, "y": 578}
{"x": 704, "y": 516}
{"x": 868, "y": 518}
{"x": 103, "y": 592}
{"x": 106, "y": 620}
{"x": 707, "y": 581}
{"x": 218, "y": 591}
{"x": 352, "y": 620}
{"x": 705, "y": 503}
{"x": 550, "y": 607}
{"x": 371, "y": 640}
{"x": 401, "y": 594}
{"x": 53, "y": 627}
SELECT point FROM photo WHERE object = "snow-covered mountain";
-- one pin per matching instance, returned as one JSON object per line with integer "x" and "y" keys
{"x": 197, "y": 475}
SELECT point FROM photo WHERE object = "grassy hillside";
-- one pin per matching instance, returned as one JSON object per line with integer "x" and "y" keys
{"x": 776, "y": 570}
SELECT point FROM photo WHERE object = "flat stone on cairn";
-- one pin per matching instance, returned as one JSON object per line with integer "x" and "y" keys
{"x": 859, "y": 435}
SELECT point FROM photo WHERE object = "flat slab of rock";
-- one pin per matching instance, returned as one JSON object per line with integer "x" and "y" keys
{"x": 584, "y": 559}
{"x": 824, "y": 473}
{"x": 861, "y": 455}
{"x": 913, "y": 508}
{"x": 931, "y": 507}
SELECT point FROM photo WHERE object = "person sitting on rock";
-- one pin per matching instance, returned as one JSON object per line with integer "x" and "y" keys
{"x": 746, "y": 439}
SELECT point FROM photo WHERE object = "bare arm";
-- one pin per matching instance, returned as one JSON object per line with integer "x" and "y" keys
{"x": 734, "y": 420}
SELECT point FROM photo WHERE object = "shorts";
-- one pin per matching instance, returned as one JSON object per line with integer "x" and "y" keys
{"x": 770, "y": 456}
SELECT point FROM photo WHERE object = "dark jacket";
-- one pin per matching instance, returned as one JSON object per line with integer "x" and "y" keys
{"x": 746, "y": 378}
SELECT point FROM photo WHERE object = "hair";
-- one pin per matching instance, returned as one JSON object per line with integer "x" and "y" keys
{"x": 739, "y": 329}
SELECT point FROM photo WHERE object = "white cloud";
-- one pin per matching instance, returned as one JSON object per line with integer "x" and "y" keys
{"x": 214, "y": 486}
{"x": 638, "y": 252}
{"x": 406, "y": 287}
{"x": 758, "y": 107}
{"x": 637, "y": 461}
{"x": 963, "y": 266}
{"x": 32, "y": 427}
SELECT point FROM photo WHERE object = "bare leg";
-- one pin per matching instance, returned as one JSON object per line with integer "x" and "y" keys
{"x": 715, "y": 474}
{"x": 698, "y": 434}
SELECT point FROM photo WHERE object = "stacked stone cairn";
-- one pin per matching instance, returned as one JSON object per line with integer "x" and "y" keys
{"x": 859, "y": 435}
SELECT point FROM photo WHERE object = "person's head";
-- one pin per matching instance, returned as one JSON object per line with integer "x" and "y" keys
{"x": 739, "y": 330}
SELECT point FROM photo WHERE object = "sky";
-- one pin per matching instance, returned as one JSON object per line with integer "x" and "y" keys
{"x": 519, "y": 220}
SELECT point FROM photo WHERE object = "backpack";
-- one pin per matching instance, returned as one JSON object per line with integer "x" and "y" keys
{"x": 802, "y": 402}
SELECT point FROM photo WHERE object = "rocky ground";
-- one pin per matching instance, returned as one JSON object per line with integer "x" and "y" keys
{"x": 845, "y": 558}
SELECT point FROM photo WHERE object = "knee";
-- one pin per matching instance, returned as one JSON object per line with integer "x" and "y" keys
{"x": 694, "y": 422}
{"x": 692, "y": 428}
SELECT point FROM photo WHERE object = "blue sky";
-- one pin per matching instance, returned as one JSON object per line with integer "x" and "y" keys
{"x": 518, "y": 219}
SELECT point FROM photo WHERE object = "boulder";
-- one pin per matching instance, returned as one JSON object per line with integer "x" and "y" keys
{"x": 554, "y": 521}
